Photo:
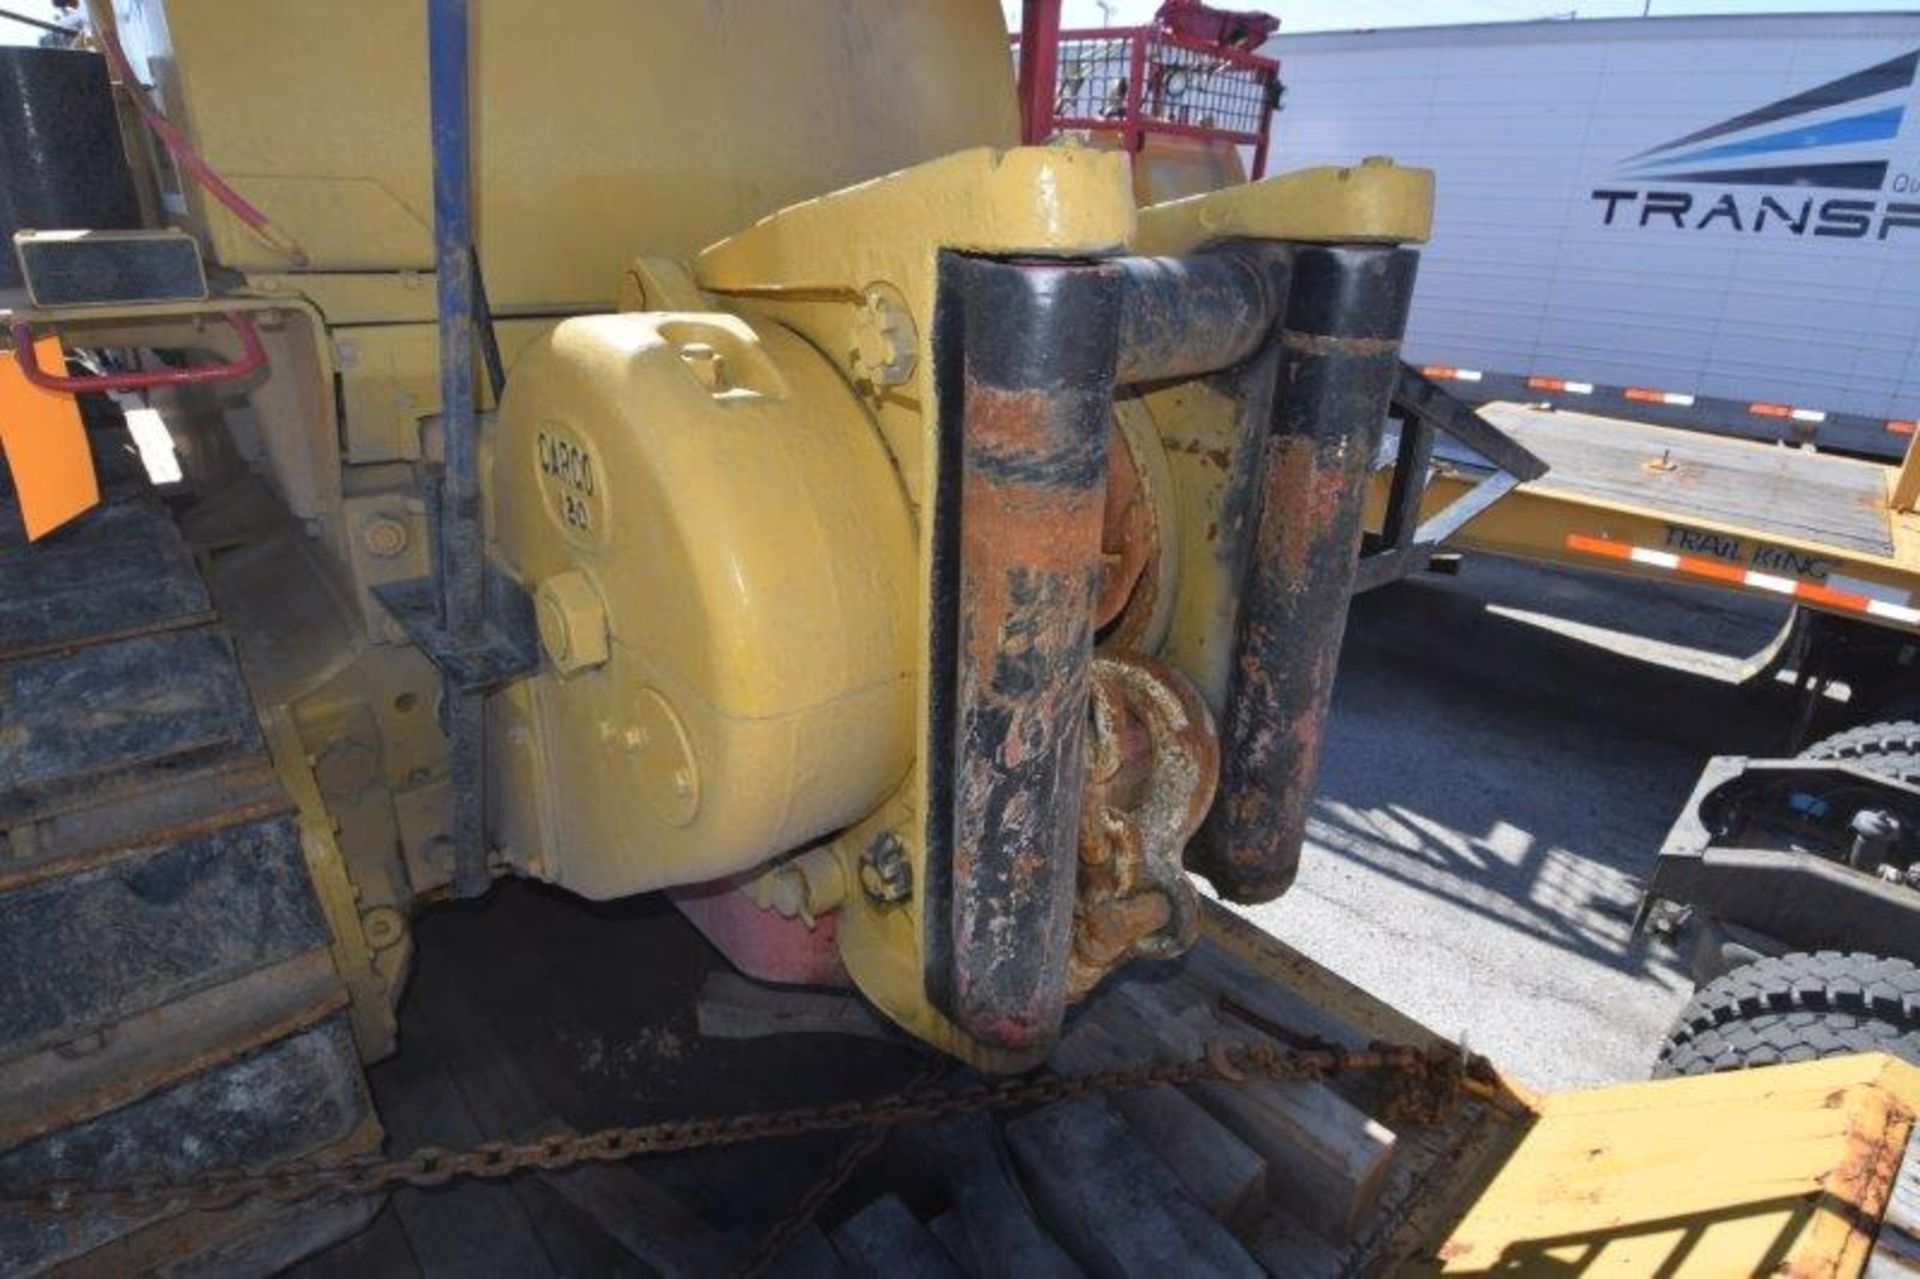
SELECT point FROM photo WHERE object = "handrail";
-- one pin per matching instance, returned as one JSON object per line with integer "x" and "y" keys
{"x": 253, "y": 357}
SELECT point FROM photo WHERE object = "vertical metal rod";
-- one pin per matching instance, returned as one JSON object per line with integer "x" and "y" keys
{"x": 462, "y": 586}
{"x": 1340, "y": 352}
{"x": 489, "y": 336}
{"x": 461, "y": 563}
{"x": 1039, "y": 68}
{"x": 1408, "y": 492}
{"x": 1136, "y": 137}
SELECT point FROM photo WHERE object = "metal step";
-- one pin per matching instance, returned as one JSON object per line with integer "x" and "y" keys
{"x": 121, "y": 570}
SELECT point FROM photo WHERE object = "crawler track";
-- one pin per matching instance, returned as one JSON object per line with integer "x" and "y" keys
{"x": 167, "y": 1001}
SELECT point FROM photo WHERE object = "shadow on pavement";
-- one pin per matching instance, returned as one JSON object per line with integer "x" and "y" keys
{"x": 1524, "y": 774}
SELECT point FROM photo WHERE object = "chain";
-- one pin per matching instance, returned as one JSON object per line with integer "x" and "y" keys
{"x": 862, "y": 1148}
{"x": 1427, "y": 1073}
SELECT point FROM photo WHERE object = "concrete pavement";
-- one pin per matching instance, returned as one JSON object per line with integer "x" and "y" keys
{"x": 1507, "y": 751}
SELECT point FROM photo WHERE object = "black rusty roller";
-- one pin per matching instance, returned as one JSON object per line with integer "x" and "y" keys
{"x": 1018, "y": 570}
{"x": 1339, "y": 358}
{"x": 1183, "y": 316}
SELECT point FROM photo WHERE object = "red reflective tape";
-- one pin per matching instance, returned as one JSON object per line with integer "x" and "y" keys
{"x": 1770, "y": 410}
{"x": 1547, "y": 383}
{"x": 1830, "y": 597}
{"x": 1716, "y": 571}
{"x": 1599, "y": 546}
{"x": 1903, "y": 427}
{"x": 1646, "y": 393}
{"x": 1731, "y": 573}
{"x": 1439, "y": 370}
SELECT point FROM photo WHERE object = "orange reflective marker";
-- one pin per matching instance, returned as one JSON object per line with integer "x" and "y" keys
{"x": 45, "y": 445}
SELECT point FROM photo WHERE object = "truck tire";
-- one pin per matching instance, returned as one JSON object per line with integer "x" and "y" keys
{"x": 1891, "y": 747}
{"x": 1796, "y": 1007}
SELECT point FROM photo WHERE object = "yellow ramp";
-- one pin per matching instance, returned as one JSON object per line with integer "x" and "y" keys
{"x": 1783, "y": 1171}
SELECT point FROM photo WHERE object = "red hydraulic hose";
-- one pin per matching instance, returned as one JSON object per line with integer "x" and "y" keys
{"x": 189, "y": 160}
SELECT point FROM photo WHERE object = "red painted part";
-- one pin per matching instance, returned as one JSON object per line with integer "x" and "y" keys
{"x": 1226, "y": 28}
{"x": 1039, "y": 68}
{"x": 1135, "y": 136}
{"x": 253, "y": 358}
{"x": 1044, "y": 110}
{"x": 1166, "y": 129}
{"x": 761, "y": 944}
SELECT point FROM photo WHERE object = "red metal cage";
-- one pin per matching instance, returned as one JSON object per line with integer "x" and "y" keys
{"x": 1137, "y": 81}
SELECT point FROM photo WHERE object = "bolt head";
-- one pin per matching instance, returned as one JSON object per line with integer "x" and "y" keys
{"x": 886, "y": 873}
{"x": 382, "y": 926}
{"x": 385, "y": 537}
{"x": 708, "y": 365}
{"x": 883, "y": 343}
{"x": 573, "y": 622}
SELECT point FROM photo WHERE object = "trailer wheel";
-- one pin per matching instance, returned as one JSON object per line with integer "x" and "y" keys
{"x": 1891, "y": 747}
{"x": 1796, "y": 1007}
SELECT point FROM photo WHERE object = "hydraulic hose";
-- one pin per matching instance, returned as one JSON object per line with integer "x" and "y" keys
{"x": 189, "y": 160}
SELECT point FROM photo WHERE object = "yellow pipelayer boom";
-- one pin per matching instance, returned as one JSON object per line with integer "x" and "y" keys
{"x": 705, "y": 453}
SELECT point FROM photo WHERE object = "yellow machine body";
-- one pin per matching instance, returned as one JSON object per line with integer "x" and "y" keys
{"x": 608, "y": 128}
{"x": 713, "y": 476}
{"x": 712, "y": 469}
{"x": 725, "y": 515}
{"x": 721, "y": 517}
{"x": 746, "y": 557}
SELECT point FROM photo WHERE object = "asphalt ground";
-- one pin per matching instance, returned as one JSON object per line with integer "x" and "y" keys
{"x": 1507, "y": 750}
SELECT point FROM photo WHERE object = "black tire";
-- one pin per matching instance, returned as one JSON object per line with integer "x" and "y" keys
{"x": 1796, "y": 1007}
{"x": 1891, "y": 747}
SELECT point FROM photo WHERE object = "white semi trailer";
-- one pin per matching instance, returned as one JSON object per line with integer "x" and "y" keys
{"x": 1711, "y": 222}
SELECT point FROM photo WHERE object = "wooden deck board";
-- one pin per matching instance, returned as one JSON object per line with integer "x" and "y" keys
{"x": 381, "y": 1251}
{"x": 534, "y": 1010}
{"x": 1772, "y": 491}
{"x": 470, "y": 1229}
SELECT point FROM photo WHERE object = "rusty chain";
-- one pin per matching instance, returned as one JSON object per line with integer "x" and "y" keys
{"x": 1427, "y": 1074}
{"x": 783, "y": 1232}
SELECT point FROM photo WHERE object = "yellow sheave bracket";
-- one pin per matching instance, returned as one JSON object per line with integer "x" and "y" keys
{"x": 45, "y": 445}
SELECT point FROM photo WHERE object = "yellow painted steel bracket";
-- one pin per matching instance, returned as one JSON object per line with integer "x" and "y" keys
{"x": 1375, "y": 201}
{"x": 856, "y": 274}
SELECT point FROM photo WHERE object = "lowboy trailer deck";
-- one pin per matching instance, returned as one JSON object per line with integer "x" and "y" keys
{"x": 1835, "y": 537}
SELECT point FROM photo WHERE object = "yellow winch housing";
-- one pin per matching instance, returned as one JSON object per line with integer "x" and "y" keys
{"x": 723, "y": 567}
